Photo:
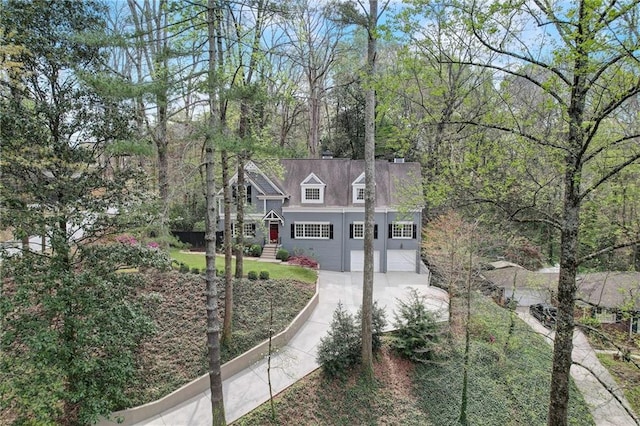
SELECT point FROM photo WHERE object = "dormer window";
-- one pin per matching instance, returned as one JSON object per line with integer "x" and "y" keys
{"x": 358, "y": 189}
{"x": 312, "y": 189}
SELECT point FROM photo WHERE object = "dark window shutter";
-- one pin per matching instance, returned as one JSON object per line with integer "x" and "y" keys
{"x": 253, "y": 229}
{"x": 351, "y": 230}
{"x": 375, "y": 231}
{"x": 415, "y": 231}
{"x": 248, "y": 194}
{"x": 293, "y": 231}
{"x": 390, "y": 230}
{"x": 331, "y": 232}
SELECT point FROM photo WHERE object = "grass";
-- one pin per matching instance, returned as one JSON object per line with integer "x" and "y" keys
{"x": 627, "y": 376}
{"x": 509, "y": 382}
{"x": 276, "y": 271}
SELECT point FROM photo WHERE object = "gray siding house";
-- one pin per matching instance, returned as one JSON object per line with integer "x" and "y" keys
{"x": 316, "y": 207}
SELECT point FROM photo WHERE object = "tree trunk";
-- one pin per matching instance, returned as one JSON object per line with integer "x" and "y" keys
{"x": 213, "y": 323}
{"x": 369, "y": 196}
{"x": 228, "y": 252}
{"x": 314, "y": 122}
{"x": 240, "y": 199}
{"x": 563, "y": 345}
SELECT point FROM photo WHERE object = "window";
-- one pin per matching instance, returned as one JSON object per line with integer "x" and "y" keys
{"x": 248, "y": 194}
{"x": 312, "y": 194}
{"x": 234, "y": 193}
{"x": 605, "y": 316}
{"x": 358, "y": 230}
{"x": 358, "y": 189}
{"x": 312, "y": 189}
{"x": 316, "y": 231}
{"x": 249, "y": 230}
{"x": 402, "y": 230}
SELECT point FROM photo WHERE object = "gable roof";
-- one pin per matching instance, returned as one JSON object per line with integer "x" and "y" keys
{"x": 257, "y": 179}
{"x": 312, "y": 179}
{"x": 392, "y": 181}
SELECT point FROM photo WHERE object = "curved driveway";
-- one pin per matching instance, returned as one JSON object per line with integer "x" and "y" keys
{"x": 248, "y": 389}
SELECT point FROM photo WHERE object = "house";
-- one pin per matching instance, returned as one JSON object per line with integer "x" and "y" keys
{"x": 316, "y": 207}
{"x": 610, "y": 297}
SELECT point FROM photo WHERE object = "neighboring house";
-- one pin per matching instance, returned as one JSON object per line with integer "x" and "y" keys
{"x": 316, "y": 207}
{"x": 610, "y": 297}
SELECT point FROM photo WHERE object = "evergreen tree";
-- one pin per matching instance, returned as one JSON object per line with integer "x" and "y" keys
{"x": 71, "y": 322}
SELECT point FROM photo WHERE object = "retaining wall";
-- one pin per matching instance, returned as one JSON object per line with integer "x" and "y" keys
{"x": 138, "y": 414}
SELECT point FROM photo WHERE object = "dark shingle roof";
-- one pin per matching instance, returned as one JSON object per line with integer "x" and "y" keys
{"x": 395, "y": 182}
{"x": 262, "y": 183}
{"x": 606, "y": 289}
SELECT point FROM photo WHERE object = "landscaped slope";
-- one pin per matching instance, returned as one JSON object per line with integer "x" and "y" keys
{"x": 176, "y": 354}
{"x": 508, "y": 384}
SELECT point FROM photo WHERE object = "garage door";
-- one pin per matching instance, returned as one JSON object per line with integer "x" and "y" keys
{"x": 357, "y": 261}
{"x": 401, "y": 260}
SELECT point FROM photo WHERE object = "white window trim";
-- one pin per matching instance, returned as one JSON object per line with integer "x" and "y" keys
{"x": 246, "y": 224}
{"x": 406, "y": 225}
{"x": 354, "y": 230}
{"x": 321, "y": 237}
{"x": 320, "y": 186}
{"x": 606, "y": 316}
{"x": 356, "y": 189}
{"x": 320, "y": 189}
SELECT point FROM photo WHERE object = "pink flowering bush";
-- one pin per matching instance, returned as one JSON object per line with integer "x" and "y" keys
{"x": 306, "y": 261}
{"x": 128, "y": 240}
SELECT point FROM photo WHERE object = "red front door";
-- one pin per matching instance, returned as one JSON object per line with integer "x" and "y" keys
{"x": 273, "y": 232}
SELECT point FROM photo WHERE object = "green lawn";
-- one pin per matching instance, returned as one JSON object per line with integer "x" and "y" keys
{"x": 276, "y": 270}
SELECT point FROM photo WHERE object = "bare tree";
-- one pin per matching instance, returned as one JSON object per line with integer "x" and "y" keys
{"x": 315, "y": 41}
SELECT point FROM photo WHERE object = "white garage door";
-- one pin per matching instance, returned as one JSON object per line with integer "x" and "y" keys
{"x": 401, "y": 260}
{"x": 357, "y": 261}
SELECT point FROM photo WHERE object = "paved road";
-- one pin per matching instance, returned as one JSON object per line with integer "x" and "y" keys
{"x": 248, "y": 389}
{"x": 605, "y": 408}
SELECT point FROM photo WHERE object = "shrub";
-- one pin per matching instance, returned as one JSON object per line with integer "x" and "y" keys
{"x": 184, "y": 268}
{"x": 264, "y": 275}
{"x": 417, "y": 329}
{"x": 255, "y": 250}
{"x": 339, "y": 350}
{"x": 195, "y": 270}
{"x": 252, "y": 275}
{"x": 378, "y": 322}
{"x": 282, "y": 254}
{"x": 305, "y": 261}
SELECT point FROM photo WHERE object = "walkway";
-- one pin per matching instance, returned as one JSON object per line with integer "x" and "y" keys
{"x": 248, "y": 389}
{"x": 605, "y": 409}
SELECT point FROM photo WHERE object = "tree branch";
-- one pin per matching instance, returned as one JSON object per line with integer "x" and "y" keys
{"x": 609, "y": 175}
{"x": 611, "y": 391}
{"x": 607, "y": 250}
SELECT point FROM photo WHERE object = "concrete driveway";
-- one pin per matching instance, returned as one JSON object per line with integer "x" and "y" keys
{"x": 248, "y": 389}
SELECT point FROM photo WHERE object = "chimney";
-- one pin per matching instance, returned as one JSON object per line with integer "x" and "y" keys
{"x": 398, "y": 160}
